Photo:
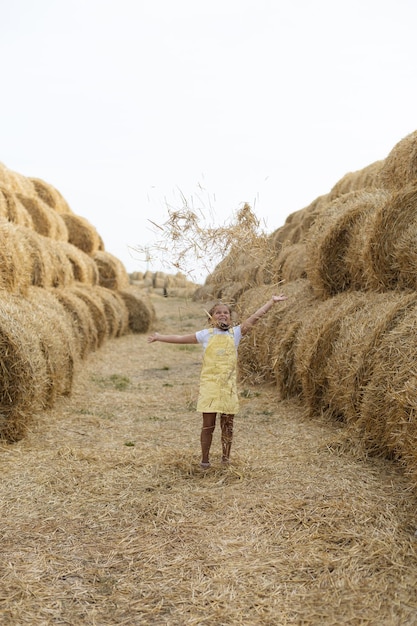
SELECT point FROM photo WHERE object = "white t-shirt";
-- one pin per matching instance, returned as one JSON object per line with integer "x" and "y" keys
{"x": 203, "y": 336}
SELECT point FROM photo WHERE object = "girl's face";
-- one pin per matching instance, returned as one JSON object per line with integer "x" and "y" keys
{"x": 221, "y": 316}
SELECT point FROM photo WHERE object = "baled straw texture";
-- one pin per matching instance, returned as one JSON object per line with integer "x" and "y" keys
{"x": 95, "y": 303}
{"x": 45, "y": 220}
{"x": 335, "y": 260}
{"x": 388, "y": 420}
{"x": 112, "y": 273}
{"x": 81, "y": 233}
{"x": 82, "y": 319}
{"x": 58, "y": 341}
{"x": 391, "y": 250}
{"x": 266, "y": 354}
{"x": 140, "y": 308}
{"x": 315, "y": 343}
{"x": 352, "y": 359}
{"x": 13, "y": 210}
{"x": 15, "y": 270}
{"x": 50, "y": 195}
{"x": 84, "y": 269}
{"x": 366, "y": 178}
{"x": 400, "y": 166}
{"x": 115, "y": 309}
{"x": 23, "y": 368}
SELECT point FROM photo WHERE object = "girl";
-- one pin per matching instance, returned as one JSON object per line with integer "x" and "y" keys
{"x": 218, "y": 379}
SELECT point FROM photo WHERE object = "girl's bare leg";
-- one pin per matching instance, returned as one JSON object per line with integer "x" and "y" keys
{"x": 226, "y": 422}
{"x": 209, "y": 423}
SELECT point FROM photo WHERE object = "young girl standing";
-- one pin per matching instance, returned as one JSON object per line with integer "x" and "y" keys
{"x": 218, "y": 379}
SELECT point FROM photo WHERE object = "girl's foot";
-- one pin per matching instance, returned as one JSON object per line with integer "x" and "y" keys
{"x": 204, "y": 465}
{"x": 225, "y": 461}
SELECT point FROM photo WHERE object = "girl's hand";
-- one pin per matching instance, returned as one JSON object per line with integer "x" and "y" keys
{"x": 279, "y": 298}
{"x": 153, "y": 338}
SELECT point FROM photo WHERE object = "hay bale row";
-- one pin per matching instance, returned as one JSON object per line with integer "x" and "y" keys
{"x": 46, "y": 333}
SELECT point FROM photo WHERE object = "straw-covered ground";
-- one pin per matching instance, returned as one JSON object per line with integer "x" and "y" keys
{"x": 106, "y": 518}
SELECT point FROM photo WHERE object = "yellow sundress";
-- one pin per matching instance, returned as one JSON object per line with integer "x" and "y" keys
{"x": 218, "y": 379}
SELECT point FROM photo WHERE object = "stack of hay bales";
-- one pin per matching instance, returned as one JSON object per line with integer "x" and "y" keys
{"x": 61, "y": 296}
{"x": 345, "y": 341}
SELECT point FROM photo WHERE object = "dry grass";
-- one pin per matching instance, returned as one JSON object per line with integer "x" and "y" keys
{"x": 106, "y": 518}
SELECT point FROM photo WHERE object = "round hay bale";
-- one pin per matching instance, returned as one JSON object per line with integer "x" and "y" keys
{"x": 387, "y": 424}
{"x": 292, "y": 261}
{"x": 13, "y": 210}
{"x": 332, "y": 239}
{"x": 366, "y": 178}
{"x": 140, "y": 308}
{"x": 94, "y": 302}
{"x": 58, "y": 343}
{"x": 81, "y": 233}
{"x": 112, "y": 273}
{"x": 45, "y": 220}
{"x": 22, "y": 367}
{"x": 15, "y": 271}
{"x": 84, "y": 326}
{"x": 316, "y": 339}
{"x": 50, "y": 195}
{"x": 391, "y": 250}
{"x": 115, "y": 309}
{"x": 400, "y": 166}
{"x": 352, "y": 359}
{"x": 18, "y": 184}
{"x": 84, "y": 269}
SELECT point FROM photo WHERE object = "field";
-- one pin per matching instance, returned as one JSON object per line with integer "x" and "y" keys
{"x": 107, "y": 519}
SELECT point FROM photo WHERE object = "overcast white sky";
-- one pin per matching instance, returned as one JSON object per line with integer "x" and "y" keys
{"x": 125, "y": 105}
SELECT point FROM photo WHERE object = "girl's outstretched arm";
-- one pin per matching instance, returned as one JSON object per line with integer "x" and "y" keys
{"x": 252, "y": 319}
{"x": 172, "y": 338}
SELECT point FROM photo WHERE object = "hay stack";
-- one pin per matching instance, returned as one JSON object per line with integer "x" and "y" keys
{"x": 388, "y": 420}
{"x": 23, "y": 368}
{"x": 365, "y": 178}
{"x": 267, "y": 353}
{"x": 112, "y": 273}
{"x": 140, "y": 308}
{"x": 400, "y": 166}
{"x": 45, "y": 220}
{"x": 13, "y": 210}
{"x": 316, "y": 340}
{"x": 95, "y": 304}
{"x": 84, "y": 269}
{"x": 83, "y": 323}
{"x": 352, "y": 359}
{"x": 115, "y": 309}
{"x": 81, "y": 233}
{"x": 391, "y": 249}
{"x": 15, "y": 269}
{"x": 336, "y": 243}
{"x": 50, "y": 195}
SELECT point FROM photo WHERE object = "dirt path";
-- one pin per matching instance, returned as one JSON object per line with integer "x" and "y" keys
{"x": 106, "y": 518}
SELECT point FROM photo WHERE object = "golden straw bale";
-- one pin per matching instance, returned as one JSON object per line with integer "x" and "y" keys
{"x": 337, "y": 235}
{"x": 13, "y": 210}
{"x": 140, "y": 308}
{"x": 59, "y": 342}
{"x": 115, "y": 309}
{"x": 18, "y": 184}
{"x": 15, "y": 269}
{"x": 111, "y": 271}
{"x": 84, "y": 269}
{"x": 84, "y": 326}
{"x": 315, "y": 343}
{"x": 352, "y": 359}
{"x": 391, "y": 250}
{"x": 59, "y": 267}
{"x": 23, "y": 368}
{"x": 95, "y": 304}
{"x": 50, "y": 195}
{"x": 400, "y": 166}
{"x": 81, "y": 233}
{"x": 387, "y": 424}
{"x": 366, "y": 178}
{"x": 45, "y": 220}
{"x": 267, "y": 353}
{"x": 292, "y": 262}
